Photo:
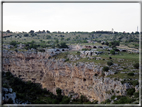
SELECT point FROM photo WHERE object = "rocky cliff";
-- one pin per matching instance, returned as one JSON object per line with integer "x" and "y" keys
{"x": 82, "y": 78}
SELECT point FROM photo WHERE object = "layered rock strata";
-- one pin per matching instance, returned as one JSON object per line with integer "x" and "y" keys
{"x": 80, "y": 78}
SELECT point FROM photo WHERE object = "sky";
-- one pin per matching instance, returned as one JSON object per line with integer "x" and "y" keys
{"x": 68, "y": 17}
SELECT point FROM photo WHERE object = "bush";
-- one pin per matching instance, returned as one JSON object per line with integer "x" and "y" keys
{"x": 78, "y": 52}
{"x": 135, "y": 82}
{"x": 110, "y": 57}
{"x": 112, "y": 97}
{"x": 112, "y": 52}
{"x": 58, "y": 91}
{"x": 67, "y": 60}
{"x": 136, "y": 65}
{"x": 63, "y": 45}
{"x": 131, "y": 74}
{"x": 109, "y": 63}
{"x": 14, "y": 43}
{"x": 84, "y": 49}
{"x": 124, "y": 100}
{"x": 136, "y": 94}
{"x": 107, "y": 101}
{"x": 8, "y": 73}
{"x": 83, "y": 98}
{"x": 130, "y": 91}
{"x": 105, "y": 68}
{"x": 65, "y": 100}
{"x": 95, "y": 102}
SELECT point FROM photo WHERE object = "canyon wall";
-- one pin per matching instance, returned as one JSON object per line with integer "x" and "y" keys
{"x": 76, "y": 79}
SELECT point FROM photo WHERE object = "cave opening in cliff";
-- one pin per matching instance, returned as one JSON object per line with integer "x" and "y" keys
{"x": 84, "y": 79}
{"x": 94, "y": 47}
{"x": 91, "y": 53}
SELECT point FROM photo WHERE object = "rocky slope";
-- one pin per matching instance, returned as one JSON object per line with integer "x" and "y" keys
{"x": 82, "y": 78}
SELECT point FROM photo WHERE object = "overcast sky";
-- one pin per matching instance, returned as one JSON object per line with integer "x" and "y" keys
{"x": 71, "y": 16}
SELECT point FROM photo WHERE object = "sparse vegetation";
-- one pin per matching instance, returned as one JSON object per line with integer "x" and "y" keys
{"x": 126, "y": 62}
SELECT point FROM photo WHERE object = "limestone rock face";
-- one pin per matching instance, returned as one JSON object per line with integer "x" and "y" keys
{"x": 80, "y": 78}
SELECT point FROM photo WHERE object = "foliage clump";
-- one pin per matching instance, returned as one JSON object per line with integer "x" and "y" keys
{"x": 105, "y": 68}
{"x": 136, "y": 65}
{"x": 130, "y": 91}
{"x": 131, "y": 74}
{"x": 109, "y": 63}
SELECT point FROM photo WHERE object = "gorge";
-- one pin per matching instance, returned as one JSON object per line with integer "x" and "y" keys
{"x": 73, "y": 79}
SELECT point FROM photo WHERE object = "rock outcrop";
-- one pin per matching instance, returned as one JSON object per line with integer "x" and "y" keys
{"x": 80, "y": 78}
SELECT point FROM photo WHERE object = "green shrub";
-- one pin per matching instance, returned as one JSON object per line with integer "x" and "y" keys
{"x": 112, "y": 52}
{"x": 135, "y": 82}
{"x": 136, "y": 94}
{"x": 109, "y": 63}
{"x": 136, "y": 65}
{"x": 8, "y": 73}
{"x": 131, "y": 74}
{"x": 124, "y": 100}
{"x": 58, "y": 91}
{"x": 67, "y": 60}
{"x": 84, "y": 49}
{"x": 78, "y": 53}
{"x": 112, "y": 97}
{"x": 110, "y": 57}
{"x": 105, "y": 68}
{"x": 130, "y": 91}
{"x": 14, "y": 43}
{"x": 95, "y": 102}
{"x": 65, "y": 100}
{"x": 107, "y": 101}
{"x": 83, "y": 98}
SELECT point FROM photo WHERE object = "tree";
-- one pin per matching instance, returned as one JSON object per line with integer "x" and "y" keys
{"x": 32, "y": 31}
{"x": 137, "y": 32}
{"x": 112, "y": 52}
{"x": 106, "y": 43}
{"x": 58, "y": 91}
{"x": 63, "y": 45}
{"x": 48, "y": 37}
{"x": 83, "y": 99}
{"x": 26, "y": 35}
{"x": 48, "y": 31}
{"x": 8, "y": 31}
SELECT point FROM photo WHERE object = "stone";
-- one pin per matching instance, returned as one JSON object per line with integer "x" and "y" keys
{"x": 5, "y": 89}
{"x": 136, "y": 88}
{"x": 10, "y": 90}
